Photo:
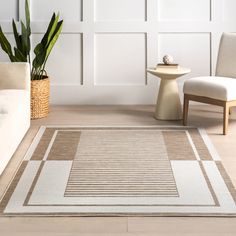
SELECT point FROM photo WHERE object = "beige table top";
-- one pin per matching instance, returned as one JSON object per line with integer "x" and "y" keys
{"x": 169, "y": 71}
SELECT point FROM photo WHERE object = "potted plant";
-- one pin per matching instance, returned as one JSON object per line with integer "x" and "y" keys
{"x": 40, "y": 87}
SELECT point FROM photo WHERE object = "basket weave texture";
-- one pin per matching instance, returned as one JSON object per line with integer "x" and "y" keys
{"x": 40, "y": 91}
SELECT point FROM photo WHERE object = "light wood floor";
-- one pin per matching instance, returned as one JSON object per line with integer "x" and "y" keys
{"x": 208, "y": 117}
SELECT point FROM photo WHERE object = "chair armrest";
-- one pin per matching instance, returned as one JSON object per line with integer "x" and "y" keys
{"x": 15, "y": 75}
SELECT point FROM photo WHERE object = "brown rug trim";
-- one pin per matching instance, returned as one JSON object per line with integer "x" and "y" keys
{"x": 178, "y": 148}
{"x": 12, "y": 186}
{"x": 33, "y": 184}
{"x": 42, "y": 146}
{"x": 161, "y": 128}
{"x": 200, "y": 145}
{"x": 64, "y": 146}
{"x": 209, "y": 184}
{"x": 227, "y": 179}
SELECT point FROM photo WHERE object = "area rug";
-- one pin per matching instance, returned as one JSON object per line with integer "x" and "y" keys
{"x": 115, "y": 171}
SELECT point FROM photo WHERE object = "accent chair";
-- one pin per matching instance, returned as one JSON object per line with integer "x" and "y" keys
{"x": 217, "y": 90}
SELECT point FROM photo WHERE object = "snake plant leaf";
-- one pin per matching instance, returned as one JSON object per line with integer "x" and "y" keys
{"x": 38, "y": 49}
{"x": 27, "y": 17}
{"x": 6, "y": 46}
{"x": 40, "y": 55}
{"x": 39, "y": 60}
{"x": 51, "y": 28}
{"x": 25, "y": 40}
{"x": 54, "y": 38}
{"x": 19, "y": 56}
{"x": 16, "y": 36}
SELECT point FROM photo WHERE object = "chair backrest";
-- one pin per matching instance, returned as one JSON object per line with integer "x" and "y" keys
{"x": 226, "y": 62}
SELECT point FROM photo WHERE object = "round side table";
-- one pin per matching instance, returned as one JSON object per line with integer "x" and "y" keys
{"x": 168, "y": 105}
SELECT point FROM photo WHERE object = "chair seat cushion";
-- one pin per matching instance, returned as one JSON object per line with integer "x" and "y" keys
{"x": 221, "y": 88}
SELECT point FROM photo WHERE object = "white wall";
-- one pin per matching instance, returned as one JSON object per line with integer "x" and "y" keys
{"x": 106, "y": 45}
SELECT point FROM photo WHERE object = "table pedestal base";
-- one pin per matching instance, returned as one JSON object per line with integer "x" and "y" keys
{"x": 168, "y": 103}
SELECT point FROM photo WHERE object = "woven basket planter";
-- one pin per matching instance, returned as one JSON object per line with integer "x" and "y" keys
{"x": 40, "y": 91}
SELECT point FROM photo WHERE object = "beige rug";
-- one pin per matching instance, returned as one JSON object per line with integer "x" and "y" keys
{"x": 157, "y": 171}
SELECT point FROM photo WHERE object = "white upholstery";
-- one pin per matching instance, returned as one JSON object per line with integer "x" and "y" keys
{"x": 223, "y": 85}
{"x": 11, "y": 99}
{"x": 226, "y": 63}
{"x": 14, "y": 108}
{"x": 221, "y": 88}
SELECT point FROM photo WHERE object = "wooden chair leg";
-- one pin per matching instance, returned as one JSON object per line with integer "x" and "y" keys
{"x": 230, "y": 111}
{"x": 185, "y": 110}
{"x": 226, "y": 118}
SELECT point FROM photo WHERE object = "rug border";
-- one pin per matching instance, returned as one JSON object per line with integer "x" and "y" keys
{"x": 41, "y": 130}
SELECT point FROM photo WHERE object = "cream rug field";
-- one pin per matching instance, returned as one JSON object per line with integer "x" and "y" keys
{"x": 152, "y": 171}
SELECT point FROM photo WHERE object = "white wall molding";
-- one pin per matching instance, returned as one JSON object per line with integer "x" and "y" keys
{"x": 188, "y": 29}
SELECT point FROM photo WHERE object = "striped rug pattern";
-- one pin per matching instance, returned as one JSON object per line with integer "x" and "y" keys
{"x": 121, "y": 163}
{"x": 120, "y": 171}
